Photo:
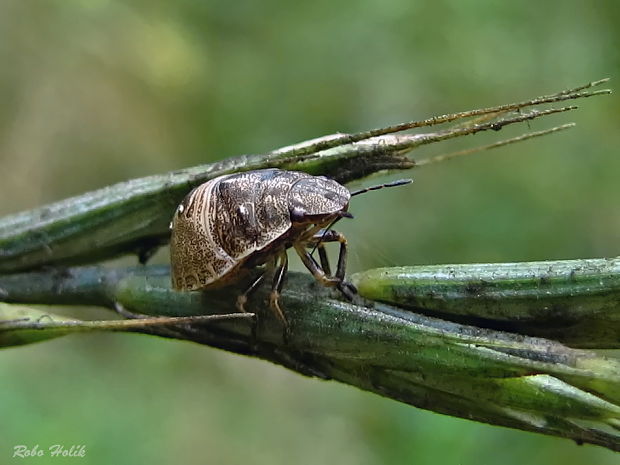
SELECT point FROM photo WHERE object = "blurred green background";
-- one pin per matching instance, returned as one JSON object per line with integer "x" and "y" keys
{"x": 98, "y": 91}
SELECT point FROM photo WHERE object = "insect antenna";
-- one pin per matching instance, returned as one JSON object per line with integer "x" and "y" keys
{"x": 400, "y": 182}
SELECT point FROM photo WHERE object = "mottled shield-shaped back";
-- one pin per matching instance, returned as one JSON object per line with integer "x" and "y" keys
{"x": 224, "y": 221}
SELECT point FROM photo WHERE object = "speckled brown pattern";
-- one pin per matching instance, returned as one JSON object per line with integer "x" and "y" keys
{"x": 245, "y": 218}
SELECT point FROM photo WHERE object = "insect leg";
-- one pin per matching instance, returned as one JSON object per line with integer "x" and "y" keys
{"x": 174, "y": 327}
{"x": 334, "y": 236}
{"x": 318, "y": 241}
{"x": 276, "y": 288}
{"x": 342, "y": 254}
{"x": 347, "y": 289}
{"x": 324, "y": 260}
{"x": 146, "y": 250}
{"x": 242, "y": 299}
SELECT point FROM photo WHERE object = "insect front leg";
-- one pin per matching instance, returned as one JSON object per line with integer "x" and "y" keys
{"x": 324, "y": 259}
{"x": 337, "y": 281}
{"x": 315, "y": 240}
{"x": 318, "y": 240}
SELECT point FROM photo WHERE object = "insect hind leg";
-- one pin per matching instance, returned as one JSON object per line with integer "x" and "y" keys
{"x": 243, "y": 298}
{"x": 276, "y": 288}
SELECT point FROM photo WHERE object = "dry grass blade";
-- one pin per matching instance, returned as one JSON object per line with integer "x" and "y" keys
{"x": 501, "y": 143}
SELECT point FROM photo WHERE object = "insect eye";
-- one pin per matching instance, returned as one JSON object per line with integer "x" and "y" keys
{"x": 297, "y": 214}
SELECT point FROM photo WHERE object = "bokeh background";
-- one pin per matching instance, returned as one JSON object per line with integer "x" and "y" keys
{"x": 98, "y": 91}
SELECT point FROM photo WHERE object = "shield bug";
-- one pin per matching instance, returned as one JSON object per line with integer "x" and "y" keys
{"x": 236, "y": 222}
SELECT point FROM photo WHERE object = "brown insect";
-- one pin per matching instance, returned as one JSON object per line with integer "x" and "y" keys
{"x": 236, "y": 222}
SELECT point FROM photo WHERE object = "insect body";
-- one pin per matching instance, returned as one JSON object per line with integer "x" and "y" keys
{"x": 239, "y": 221}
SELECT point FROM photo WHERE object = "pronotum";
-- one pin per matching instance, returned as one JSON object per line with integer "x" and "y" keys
{"x": 236, "y": 222}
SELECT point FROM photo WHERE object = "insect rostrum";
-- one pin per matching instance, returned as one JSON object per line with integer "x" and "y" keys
{"x": 236, "y": 222}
